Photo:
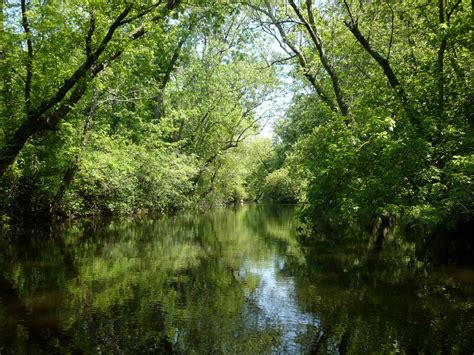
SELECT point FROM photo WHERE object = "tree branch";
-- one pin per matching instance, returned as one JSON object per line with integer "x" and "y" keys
{"x": 38, "y": 119}
{"x": 450, "y": 12}
{"x": 353, "y": 27}
{"x": 90, "y": 33}
{"x": 391, "y": 29}
{"x": 441, "y": 52}
{"x": 82, "y": 70}
{"x": 313, "y": 33}
{"x": 301, "y": 58}
{"x": 29, "y": 58}
{"x": 157, "y": 112}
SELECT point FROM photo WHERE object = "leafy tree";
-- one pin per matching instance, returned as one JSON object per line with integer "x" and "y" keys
{"x": 401, "y": 69}
{"x": 66, "y": 47}
{"x": 158, "y": 102}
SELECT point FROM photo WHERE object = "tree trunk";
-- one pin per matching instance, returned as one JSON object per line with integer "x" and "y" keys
{"x": 440, "y": 60}
{"x": 72, "y": 170}
{"x": 344, "y": 344}
{"x": 5, "y": 70}
{"x": 158, "y": 111}
{"x": 13, "y": 145}
{"x": 383, "y": 230}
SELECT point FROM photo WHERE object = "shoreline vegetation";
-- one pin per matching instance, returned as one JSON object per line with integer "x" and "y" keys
{"x": 113, "y": 108}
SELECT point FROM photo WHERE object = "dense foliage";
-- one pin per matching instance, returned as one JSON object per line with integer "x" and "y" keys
{"x": 383, "y": 124}
{"x": 116, "y": 108}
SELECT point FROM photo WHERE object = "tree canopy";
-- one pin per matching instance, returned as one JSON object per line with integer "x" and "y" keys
{"x": 112, "y": 107}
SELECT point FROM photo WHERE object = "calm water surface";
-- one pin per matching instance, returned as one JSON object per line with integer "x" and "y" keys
{"x": 236, "y": 280}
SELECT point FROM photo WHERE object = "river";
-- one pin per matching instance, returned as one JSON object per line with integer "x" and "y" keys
{"x": 233, "y": 280}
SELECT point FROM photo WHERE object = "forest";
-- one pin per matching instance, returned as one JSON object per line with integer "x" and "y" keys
{"x": 126, "y": 108}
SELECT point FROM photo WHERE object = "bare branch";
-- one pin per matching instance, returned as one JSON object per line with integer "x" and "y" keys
{"x": 353, "y": 20}
{"x": 279, "y": 61}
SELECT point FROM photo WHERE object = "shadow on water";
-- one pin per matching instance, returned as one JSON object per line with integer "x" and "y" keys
{"x": 235, "y": 280}
{"x": 386, "y": 297}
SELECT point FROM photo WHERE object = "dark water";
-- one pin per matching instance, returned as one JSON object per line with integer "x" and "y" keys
{"x": 232, "y": 281}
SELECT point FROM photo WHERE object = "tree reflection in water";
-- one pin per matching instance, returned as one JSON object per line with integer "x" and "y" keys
{"x": 229, "y": 281}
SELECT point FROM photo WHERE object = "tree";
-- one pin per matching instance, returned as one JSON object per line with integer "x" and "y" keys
{"x": 403, "y": 142}
{"x": 102, "y": 32}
